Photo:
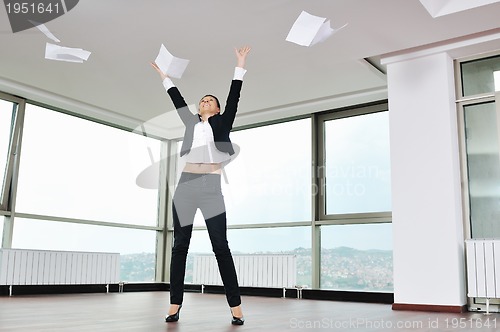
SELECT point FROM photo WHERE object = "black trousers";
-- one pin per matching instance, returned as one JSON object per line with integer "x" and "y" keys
{"x": 201, "y": 191}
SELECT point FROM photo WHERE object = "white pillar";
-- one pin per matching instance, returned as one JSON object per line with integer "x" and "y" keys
{"x": 429, "y": 264}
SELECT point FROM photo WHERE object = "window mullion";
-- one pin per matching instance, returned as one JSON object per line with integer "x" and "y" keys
{"x": 10, "y": 179}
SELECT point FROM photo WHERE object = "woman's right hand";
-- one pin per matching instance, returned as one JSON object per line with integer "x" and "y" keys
{"x": 241, "y": 55}
{"x": 162, "y": 74}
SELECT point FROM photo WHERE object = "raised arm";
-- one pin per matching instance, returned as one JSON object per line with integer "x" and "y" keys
{"x": 174, "y": 93}
{"x": 234, "y": 91}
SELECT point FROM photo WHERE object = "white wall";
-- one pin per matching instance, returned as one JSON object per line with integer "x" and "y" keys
{"x": 429, "y": 265}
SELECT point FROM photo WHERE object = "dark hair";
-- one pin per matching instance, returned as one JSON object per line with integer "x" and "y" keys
{"x": 216, "y": 99}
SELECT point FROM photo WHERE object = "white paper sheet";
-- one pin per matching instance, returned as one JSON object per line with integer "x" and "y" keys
{"x": 60, "y": 53}
{"x": 169, "y": 64}
{"x": 309, "y": 30}
{"x": 45, "y": 30}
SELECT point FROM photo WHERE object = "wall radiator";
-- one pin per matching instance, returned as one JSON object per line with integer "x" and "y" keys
{"x": 279, "y": 271}
{"x": 45, "y": 267}
{"x": 483, "y": 269}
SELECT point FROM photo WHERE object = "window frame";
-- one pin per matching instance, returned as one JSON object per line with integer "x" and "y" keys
{"x": 164, "y": 229}
{"x": 462, "y": 102}
{"x": 343, "y": 218}
{"x": 7, "y": 209}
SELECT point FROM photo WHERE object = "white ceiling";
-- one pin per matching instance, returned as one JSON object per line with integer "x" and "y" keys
{"x": 117, "y": 83}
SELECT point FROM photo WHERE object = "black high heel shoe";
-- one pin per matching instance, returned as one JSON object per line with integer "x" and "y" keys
{"x": 237, "y": 320}
{"x": 174, "y": 317}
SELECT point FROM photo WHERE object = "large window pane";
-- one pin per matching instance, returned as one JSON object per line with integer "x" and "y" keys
{"x": 357, "y": 257}
{"x": 270, "y": 179}
{"x": 6, "y": 113}
{"x": 136, "y": 247}
{"x": 357, "y": 164}
{"x": 281, "y": 240}
{"x": 76, "y": 168}
{"x": 477, "y": 76}
{"x": 483, "y": 166}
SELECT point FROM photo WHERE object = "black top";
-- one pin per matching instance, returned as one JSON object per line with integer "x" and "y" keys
{"x": 221, "y": 124}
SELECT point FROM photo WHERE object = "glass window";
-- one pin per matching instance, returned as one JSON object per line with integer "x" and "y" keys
{"x": 270, "y": 179}
{"x": 6, "y": 113}
{"x": 280, "y": 240}
{"x": 483, "y": 166}
{"x": 76, "y": 168}
{"x": 136, "y": 247}
{"x": 477, "y": 75}
{"x": 357, "y": 257}
{"x": 357, "y": 164}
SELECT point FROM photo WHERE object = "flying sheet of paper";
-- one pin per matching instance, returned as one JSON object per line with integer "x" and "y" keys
{"x": 169, "y": 64}
{"x": 45, "y": 30}
{"x": 60, "y": 53}
{"x": 309, "y": 30}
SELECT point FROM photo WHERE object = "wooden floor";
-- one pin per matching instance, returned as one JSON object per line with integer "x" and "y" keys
{"x": 145, "y": 311}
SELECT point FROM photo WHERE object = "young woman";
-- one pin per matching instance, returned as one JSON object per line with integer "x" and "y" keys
{"x": 206, "y": 147}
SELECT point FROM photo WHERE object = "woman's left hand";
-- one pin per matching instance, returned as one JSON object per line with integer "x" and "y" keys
{"x": 162, "y": 74}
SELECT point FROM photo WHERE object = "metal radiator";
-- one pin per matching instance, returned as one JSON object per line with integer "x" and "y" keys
{"x": 483, "y": 269}
{"x": 46, "y": 267}
{"x": 279, "y": 271}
